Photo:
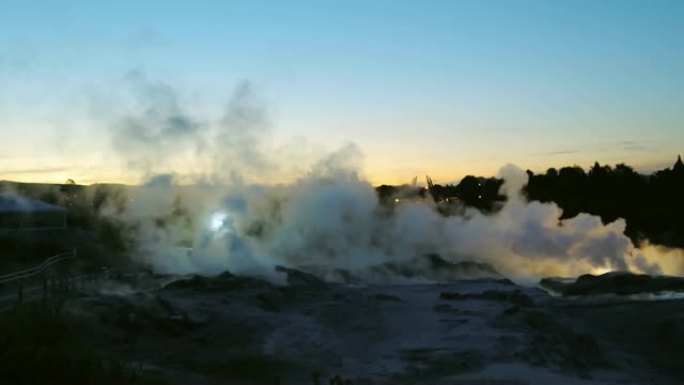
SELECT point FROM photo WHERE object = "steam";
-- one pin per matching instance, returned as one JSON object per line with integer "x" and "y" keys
{"x": 329, "y": 218}
{"x": 157, "y": 128}
{"x": 332, "y": 220}
{"x": 161, "y": 133}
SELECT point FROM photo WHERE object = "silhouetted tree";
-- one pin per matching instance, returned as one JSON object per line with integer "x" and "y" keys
{"x": 652, "y": 206}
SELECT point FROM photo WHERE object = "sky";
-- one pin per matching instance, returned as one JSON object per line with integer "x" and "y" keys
{"x": 445, "y": 88}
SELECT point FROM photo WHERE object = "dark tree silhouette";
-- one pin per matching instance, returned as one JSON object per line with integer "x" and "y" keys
{"x": 653, "y": 206}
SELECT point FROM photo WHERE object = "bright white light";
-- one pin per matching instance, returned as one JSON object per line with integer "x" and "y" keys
{"x": 217, "y": 221}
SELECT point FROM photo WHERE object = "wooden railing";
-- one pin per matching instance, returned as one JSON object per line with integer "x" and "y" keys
{"x": 23, "y": 277}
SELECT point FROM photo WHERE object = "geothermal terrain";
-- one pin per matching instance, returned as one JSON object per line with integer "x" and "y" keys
{"x": 320, "y": 282}
{"x": 470, "y": 326}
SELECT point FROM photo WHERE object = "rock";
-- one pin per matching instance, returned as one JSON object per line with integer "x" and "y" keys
{"x": 550, "y": 343}
{"x": 622, "y": 283}
{"x": 434, "y": 267}
{"x": 340, "y": 297}
{"x": 387, "y": 297}
{"x": 671, "y": 330}
{"x": 299, "y": 278}
{"x": 453, "y": 296}
{"x": 539, "y": 321}
{"x": 448, "y": 309}
{"x": 444, "y": 308}
{"x": 225, "y": 275}
{"x": 516, "y": 297}
{"x": 511, "y": 310}
{"x": 268, "y": 301}
{"x": 223, "y": 281}
{"x": 425, "y": 364}
{"x": 193, "y": 282}
{"x": 139, "y": 314}
{"x": 344, "y": 276}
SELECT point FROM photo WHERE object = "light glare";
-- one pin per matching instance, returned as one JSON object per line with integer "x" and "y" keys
{"x": 217, "y": 221}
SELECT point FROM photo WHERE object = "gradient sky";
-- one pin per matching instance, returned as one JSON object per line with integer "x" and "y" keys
{"x": 439, "y": 87}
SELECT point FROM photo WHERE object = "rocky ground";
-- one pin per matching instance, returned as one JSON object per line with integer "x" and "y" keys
{"x": 238, "y": 330}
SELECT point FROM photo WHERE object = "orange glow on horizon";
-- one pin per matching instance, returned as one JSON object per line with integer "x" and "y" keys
{"x": 377, "y": 174}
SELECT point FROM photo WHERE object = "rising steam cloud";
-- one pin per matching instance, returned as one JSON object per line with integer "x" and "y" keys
{"x": 160, "y": 134}
{"x": 330, "y": 218}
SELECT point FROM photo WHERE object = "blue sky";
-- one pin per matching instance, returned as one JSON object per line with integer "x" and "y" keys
{"x": 439, "y": 87}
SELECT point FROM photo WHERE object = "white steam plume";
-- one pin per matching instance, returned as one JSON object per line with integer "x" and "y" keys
{"x": 334, "y": 220}
{"x": 331, "y": 218}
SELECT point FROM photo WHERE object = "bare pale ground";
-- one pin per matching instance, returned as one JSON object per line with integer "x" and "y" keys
{"x": 234, "y": 330}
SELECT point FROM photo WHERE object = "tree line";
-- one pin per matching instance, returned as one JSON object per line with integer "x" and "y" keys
{"x": 652, "y": 205}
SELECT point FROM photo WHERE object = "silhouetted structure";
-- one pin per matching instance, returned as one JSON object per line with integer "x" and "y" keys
{"x": 678, "y": 166}
{"x": 18, "y": 212}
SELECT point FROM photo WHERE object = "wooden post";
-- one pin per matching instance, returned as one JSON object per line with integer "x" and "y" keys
{"x": 45, "y": 288}
{"x": 20, "y": 292}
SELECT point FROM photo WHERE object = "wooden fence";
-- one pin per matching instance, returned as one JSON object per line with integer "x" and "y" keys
{"x": 23, "y": 285}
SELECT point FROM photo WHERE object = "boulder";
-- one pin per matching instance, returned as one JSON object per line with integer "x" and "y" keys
{"x": 622, "y": 283}
{"x": 300, "y": 278}
{"x": 516, "y": 297}
{"x": 434, "y": 267}
{"x": 223, "y": 281}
